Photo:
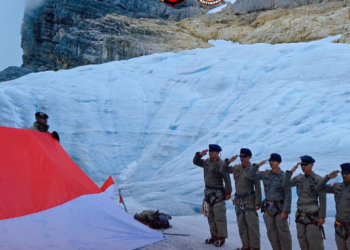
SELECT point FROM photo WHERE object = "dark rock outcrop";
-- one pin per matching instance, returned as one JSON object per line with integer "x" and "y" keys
{"x": 49, "y": 31}
{"x": 14, "y": 72}
{"x": 248, "y": 6}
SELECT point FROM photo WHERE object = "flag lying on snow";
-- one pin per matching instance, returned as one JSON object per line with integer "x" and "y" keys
{"x": 109, "y": 187}
{"x": 48, "y": 202}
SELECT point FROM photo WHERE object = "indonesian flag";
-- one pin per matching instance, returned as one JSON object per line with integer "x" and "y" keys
{"x": 48, "y": 202}
{"x": 109, "y": 187}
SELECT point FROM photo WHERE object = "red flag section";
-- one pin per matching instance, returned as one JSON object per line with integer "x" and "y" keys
{"x": 107, "y": 183}
{"x": 120, "y": 197}
{"x": 37, "y": 174}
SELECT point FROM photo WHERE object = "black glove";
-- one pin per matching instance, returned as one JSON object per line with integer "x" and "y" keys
{"x": 56, "y": 136}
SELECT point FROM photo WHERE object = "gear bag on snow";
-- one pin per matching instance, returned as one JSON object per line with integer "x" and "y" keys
{"x": 154, "y": 219}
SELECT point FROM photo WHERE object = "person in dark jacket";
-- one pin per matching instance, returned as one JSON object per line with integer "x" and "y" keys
{"x": 215, "y": 193}
{"x": 41, "y": 124}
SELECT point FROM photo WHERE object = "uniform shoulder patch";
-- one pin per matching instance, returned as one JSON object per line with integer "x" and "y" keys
{"x": 333, "y": 184}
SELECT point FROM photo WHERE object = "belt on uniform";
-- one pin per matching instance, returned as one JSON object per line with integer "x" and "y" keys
{"x": 242, "y": 206}
{"x": 344, "y": 225}
{"x": 245, "y": 195}
{"x": 308, "y": 214}
{"x": 213, "y": 194}
{"x": 312, "y": 221}
{"x": 275, "y": 204}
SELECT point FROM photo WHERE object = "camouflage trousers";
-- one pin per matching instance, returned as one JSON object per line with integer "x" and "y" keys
{"x": 278, "y": 232}
{"x": 248, "y": 226}
{"x": 309, "y": 236}
{"x": 217, "y": 215}
{"x": 342, "y": 242}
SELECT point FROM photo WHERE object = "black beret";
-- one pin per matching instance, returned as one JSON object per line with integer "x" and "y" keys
{"x": 246, "y": 151}
{"x": 345, "y": 167}
{"x": 215, "y": 147}
{"x": 276, "y": 157}
{"x": 41, "y": 115}
{"x": 307, "y": 158}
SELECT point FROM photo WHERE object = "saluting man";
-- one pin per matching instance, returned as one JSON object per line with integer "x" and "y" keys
{"x": 215, "y": 193}
{"x": 311, "y": 204}
{"x": 247, "y": 200}
{"x": 341, "y": 193}
{"x": 277, "y": 204}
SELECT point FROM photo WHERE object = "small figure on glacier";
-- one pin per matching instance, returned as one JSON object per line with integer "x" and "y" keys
{"x": 41, "y": 124}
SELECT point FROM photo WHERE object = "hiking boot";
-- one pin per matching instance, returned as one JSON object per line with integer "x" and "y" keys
{"x": 211, "y": 240}
{"x": 219, "y": 242}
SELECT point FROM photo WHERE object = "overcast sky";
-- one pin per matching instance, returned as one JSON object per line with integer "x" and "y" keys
{"x": 11, "y": 15}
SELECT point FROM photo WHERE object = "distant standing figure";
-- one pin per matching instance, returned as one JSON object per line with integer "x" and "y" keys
{"x": 311, "y": 205}
{"x": 215, "y": 193}
{"x": 277, "y": 204}
{"x": 341, "y": 193}
{"x": 247, "y": 200}
{"x": 41, "y": 124}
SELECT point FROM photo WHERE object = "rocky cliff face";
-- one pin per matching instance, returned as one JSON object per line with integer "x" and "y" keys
{"x": 66, "y": 33}
{"x": 300, "y": 24}
{"x": 248, "y": 6}
{"x": 60, "y": 33}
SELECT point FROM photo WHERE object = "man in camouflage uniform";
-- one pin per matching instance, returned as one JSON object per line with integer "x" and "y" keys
{"x": 311, "y": 205}
{"x": 41, "y": 125}
{"x": 41, "y": 122}
{"x": 277, "y": 204}
{"x": 341, "y": 193}
{"x": 247, "y": 200}
{"x": 215, "y": 193}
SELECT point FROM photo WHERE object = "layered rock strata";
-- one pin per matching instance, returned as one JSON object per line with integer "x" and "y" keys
{"x": 49, "y": 31}
{"x": 65, "y": 34}
{"x": 300, "y": 24}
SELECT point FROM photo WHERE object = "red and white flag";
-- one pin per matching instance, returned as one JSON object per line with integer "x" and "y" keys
{"x": 48, "y": 202}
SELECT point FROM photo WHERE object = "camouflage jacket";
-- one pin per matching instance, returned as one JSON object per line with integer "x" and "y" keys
{"x": 243, "y": 185}
{"x": 212, "y": 176}
{"x": 309, "y": 199}
{"x": 273, "y": 186}
{"x": 341, "y": 193}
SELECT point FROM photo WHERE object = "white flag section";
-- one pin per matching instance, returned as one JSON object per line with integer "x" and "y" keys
{"x": 109, "y": 187}
{"x": 48, "y": 202}
{"x": 88, "y": 222}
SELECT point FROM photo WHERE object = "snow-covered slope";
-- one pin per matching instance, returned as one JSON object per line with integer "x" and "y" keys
{"x": 143, "y": 119}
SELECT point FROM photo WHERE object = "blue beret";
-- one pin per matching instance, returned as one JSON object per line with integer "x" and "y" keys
{"x": 41, "y": 115}
{"x": 345, "y": 167}
{"x": 246, "y": 151}
{"x": 214, "y": 147}
{"x": 307, "y": 158}
{"x": 276, "y": 157}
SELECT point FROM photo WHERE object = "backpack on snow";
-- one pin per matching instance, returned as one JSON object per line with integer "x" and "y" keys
{"x": 153, "y": 219}
{"x": 160, "y": 221}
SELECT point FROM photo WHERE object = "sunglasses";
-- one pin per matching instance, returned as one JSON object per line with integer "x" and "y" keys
{"x": 243, "y": 156}
{"x": 211, "y": 151}
{"x": 344, "y": 172}
{"x": 271, "y": 160}
{"x": 303, "y": 164}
